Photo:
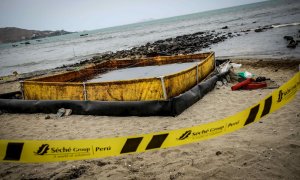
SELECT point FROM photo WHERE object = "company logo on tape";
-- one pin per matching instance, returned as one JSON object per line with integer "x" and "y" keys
{"x": 206, "y": 132}
{"x": 287, "y": 93}
{"x": 63, "y": 151}
{"x": 43, "y": 149}
{"x": 202, "y": 133}
{"x": 185, "y": 135}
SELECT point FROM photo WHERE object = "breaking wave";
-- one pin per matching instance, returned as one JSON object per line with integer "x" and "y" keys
{"x": 285, "y": 25}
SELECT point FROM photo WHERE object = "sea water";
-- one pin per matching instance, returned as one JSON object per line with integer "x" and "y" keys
{"x": 68, "y": 49}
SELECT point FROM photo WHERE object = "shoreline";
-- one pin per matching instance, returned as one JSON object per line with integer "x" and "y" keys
{"x": 183, "y": 44}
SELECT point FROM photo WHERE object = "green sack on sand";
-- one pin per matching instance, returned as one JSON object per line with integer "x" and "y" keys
{"x": 245, "y": 74}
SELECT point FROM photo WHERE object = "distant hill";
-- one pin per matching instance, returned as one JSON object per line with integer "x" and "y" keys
{"x": 13, "y": 34}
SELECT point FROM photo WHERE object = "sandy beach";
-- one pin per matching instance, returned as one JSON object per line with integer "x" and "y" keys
{"x": 263, "y": 37}
{"x": 269, "y": 149}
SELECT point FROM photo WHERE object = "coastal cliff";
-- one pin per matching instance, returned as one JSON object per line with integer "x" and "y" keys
{"x": 13, "y": 34}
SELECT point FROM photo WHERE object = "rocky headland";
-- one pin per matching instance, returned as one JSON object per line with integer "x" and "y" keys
{"x": 13, "y": 34}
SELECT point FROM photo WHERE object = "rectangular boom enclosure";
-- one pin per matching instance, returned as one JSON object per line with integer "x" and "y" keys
{"x": 72, "y": 86}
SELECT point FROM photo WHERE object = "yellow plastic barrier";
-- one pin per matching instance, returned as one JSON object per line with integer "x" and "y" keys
{"x": 63, "y": 150}
{"x": 59, "y": 87}
{"x": 53, "y": 91}
{"x": 133, "y": 90}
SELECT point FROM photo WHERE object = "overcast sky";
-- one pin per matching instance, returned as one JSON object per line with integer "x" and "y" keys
{"x": 78, "y": 15}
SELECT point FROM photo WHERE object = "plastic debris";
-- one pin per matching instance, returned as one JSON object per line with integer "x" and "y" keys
{"x": 228, "y": 79}
{"x": 255, "y": 85}
{"x": 68, "y": 112}
{"x": 241, "y": 84}
{"x": 235, "y": 65}
{"x": 64, "y": 112}
{"x": 224, "y": 81}
{"x": 61, "y": 112}
{"x": 219, "y": 83}
{"x": 249, "y": 84}
{"x": 224, "y": 67}
{"x": 233, "y": 76}
{"x": 245, "y": 74}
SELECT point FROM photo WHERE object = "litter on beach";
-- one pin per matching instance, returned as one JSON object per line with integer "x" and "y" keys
{"x": 245, "y": 74}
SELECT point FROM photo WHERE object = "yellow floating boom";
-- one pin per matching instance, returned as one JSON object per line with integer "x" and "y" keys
{"x": 65, "y": 86}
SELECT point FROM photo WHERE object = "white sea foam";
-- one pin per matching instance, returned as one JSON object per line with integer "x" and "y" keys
{"x": 286, "y": 25}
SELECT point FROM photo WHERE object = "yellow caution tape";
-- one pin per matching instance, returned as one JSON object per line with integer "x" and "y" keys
{"x": 63, "y": 150}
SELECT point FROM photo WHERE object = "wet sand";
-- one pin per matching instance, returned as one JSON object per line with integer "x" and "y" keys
{"x": 269, "y": 149}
